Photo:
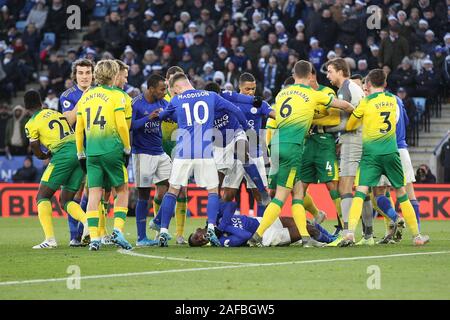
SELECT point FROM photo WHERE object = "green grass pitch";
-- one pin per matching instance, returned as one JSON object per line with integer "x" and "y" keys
{"x": 180, "y": 272}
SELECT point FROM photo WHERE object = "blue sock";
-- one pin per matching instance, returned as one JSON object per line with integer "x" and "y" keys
{"x": 385, "y": 205}
{"x": 252, "y": 171}
{"x": 324, "y": 236}
{"x": 167, "y": 209}
{"x": 84, "y": 202}
{"x": 212, "y": 208}
{"x": 261, "y": 209}
{"x": 415, "y": 205}
{"x": 141, "y": 218}
{"x": 73, "y": 227}
{"x": 80, "y": 225}
{"x": 157, "y": 218}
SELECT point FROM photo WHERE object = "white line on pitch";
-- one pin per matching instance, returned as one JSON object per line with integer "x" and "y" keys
{"x": 146, "y": 273}
{"x": 131, "y": 253}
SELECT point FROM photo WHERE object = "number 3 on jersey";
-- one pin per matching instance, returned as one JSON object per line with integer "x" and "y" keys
{"x": 99, "y": 120}
{"x": 195, "y": 110}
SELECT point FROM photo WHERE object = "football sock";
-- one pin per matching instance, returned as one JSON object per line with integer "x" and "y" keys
{"x": 346, "y": 203}
{"x": 180, "y": 216}
{"x": 167, "y": 208}
{"x": 385, "y": 205}
{"x": 324, "y": 235}
{"x": 141, "y": 218}
{"x": 299, "y": 215}
{"x": 252, "y": 170}
{"x": 260, "y": 209}
{"x": 310, "y": 206}
{"x": 334, "y": 194}
{"x": 120, "y": 214}
{"x": 367, "y": 218}
{"x": 75, "y": 211}
{"x": 45, "y": 211}
{"x": 92, "y": 219}
{"x": 415, "y": 205}
{"x": 156, "y": 206}
{"x": 272, "y": 212}
{"x": 73, "y": 227}
{"x": 212, "y": 208}
{"x": 409, "y": 214}
{"x": 356, "y": 210}
{"x": 101, "y": 220}
{"x": 84, "y": 202}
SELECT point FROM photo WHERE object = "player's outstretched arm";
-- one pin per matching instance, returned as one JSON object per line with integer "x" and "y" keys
{"x": 79, "y": 134}
{"x": 341, "y": 104}
{"x": 353, "y": 123}
{"x": 222, "y": 103}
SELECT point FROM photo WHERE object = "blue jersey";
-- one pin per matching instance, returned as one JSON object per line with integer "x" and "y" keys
{"x": 237, "y": 229}
{"x": 254, "y": 118}
{"x": 147, "y": 135}
{"x": 194, "y": 111}
{"x": 69, "y": 98}
{"x": 402, "y": 123}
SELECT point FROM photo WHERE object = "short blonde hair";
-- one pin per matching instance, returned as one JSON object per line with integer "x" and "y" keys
{"x": 122, "y": 65}
{"x": 105, "y": 71}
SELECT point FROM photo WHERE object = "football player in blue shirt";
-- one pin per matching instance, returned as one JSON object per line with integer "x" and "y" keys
{"x": 83, "y": 76}
{"x": 151, "y": 164}
{"x": 194, "y": 111}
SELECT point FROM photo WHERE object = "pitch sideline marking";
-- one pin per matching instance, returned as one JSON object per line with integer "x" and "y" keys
{"x": 134, "y": 254}
{"x": 145, "y": 273}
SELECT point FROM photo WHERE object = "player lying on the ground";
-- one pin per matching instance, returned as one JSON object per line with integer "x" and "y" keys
{"x": 51, "y": 129}
{"x": 235, "y": 230}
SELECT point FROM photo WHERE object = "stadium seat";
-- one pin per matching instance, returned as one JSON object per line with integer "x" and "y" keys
{"x": 101, "y": 9}
{"x": 48, "y": 40}
{"x": 21, "y": 25}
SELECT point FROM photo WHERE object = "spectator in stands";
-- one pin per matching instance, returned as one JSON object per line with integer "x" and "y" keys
{"x": 93, "y": 37}
{"x": 38, "y": 15}
{"x": 362, "y": 67}
{"x": 135, "y": 78}
{"x": 430, "y": 43}
{"x": 393, "y": 49}
{"x": 231, "y": 73}
{"x": 16, "y": 141}
{"x": 424, "y": 175}
{"x": 316, "y": 54}
{"x": 427, "y": 81}
{"x": 197, "y": 49}
{"x": 358, "y": 53}
{"x": 404, "y": 76}
{"x": 12, "y": 80}
{"x": 153, "y": 35}
{"x": 445, "y": 160}
{"x": 44, "y": 86}
{"x": 31, "y": 39}
{"x": 56, "y": 20}
{"x": 272, "y": 75}
{"x": 5, "y": 115}
{"x": 186, "y": 62}
{"x": 208, "y": 72}
{"x": 114, "y": 34}
{"x": 28, "y": 173}
{"x": 51, "y": 100}
{"x": 408, "y": 103}
{"x": 58, "y": 71}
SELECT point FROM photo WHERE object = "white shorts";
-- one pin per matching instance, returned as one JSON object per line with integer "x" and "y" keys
{"x": 351, "y": 152}
{"x": 224, "y": 157}
{"x": 203, "y": 170}
{"x": 149, "y": 169}
{"x": 384, "y": 182}
{"x": 275, "y": 235}
{"x": 407, "y": 166}
{"x": 234, "y": 178}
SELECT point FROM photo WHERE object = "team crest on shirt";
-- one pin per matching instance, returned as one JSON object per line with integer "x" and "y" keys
{"x": 253, "y": 110}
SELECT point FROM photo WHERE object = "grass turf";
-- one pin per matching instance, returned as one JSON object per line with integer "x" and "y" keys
{"x": 404, "y": 277}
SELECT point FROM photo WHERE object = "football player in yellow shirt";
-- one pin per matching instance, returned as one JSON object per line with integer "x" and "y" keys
{"x": 295, "y": 108}
{"x": 101, "y": 118}
{"x": 380, "y": 154}
{"x": 51, "y": 129}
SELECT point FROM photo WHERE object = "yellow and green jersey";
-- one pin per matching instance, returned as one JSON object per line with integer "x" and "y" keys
{"x": 97, "y": 108}
{"x": 325, "y": 116}
{"x": 295, "y": 107}
{"x": 167, "y": 128}
{"x": 378, "y": 112}
{"x": 128, "y": 108}
{"x": 50, "y": 128}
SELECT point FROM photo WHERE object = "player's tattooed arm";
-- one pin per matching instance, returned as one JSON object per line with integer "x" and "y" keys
{"x": 36, "y": 148}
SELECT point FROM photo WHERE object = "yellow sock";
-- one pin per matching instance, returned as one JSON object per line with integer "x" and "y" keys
{"x": 356, "y": 210}
{"x": 75, "y": 211}
{"x": 299, "y": 215}
{"x": 309, "y": 205}
{"x": 120, "y": 214}
{"x": 337, "y": 203}
{"x": 409, "y": 214}
{"x": 180, "y": 216}
{"x": 45, "y": 211}
{"x": 271, "y": 214}
{"x": 388, "y": 195}
{"x": 101, "y": 220}
{"x": 156, "y": 205}
{"x": 92, "y": 219}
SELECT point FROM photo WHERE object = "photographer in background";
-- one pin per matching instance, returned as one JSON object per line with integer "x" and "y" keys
{"x": 424, "y": 175}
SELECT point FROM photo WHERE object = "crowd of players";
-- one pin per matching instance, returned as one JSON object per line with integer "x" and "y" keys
{"x": 174, "y": 132}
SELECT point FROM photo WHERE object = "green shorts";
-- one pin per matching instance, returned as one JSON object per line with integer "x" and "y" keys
{"x": 372, "y": 167}
{"x": 64, "y": 170}
{"x": 106, "y": 167}
{"x": 168, "y": 146}
{"x": 286, "y": 161}
{"x": 319, "y": 162}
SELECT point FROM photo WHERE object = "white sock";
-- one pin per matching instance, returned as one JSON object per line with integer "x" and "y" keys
{"x": 210, "y": 226}
{"x": 164, "y": 230}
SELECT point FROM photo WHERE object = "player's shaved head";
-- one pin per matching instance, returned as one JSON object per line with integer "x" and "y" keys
{"x": 246, "y": 77}
{"x": 212, "y": 86}
{"x": 172, "y": 70}
{"x": 302, "y": 69}
{"x": 376, "y": 78}
{"x": 32, "y": 100}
